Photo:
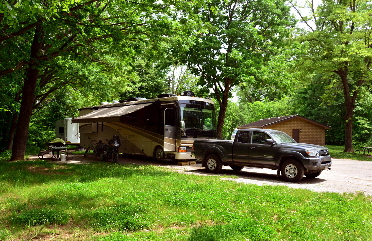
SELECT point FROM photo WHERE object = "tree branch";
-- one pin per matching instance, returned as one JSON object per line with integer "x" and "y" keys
{"x": 19, "y": 66}
{"x": 83, "y": 5}
{"x": 19, "y": 32}
{"x": 302, "y": 17}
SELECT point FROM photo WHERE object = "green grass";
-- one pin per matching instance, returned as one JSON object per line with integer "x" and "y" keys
{"x": 338, "y": 152}
{"x": 102, "y": 201}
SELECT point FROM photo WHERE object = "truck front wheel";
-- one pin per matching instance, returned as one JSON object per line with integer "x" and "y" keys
{"x": 213, "y": 163}
{"x": 292, "y": 171}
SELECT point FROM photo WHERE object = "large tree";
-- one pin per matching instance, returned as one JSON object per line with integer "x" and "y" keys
{"x": 237, "y": 37}
{"x": 39, "y": 38}
{"x": 340, "y": 48}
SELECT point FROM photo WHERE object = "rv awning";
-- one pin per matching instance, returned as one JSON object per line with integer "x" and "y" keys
{"x": 111, "y": 114}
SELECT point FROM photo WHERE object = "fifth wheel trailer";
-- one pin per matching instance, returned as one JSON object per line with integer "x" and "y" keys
{"x": 68, "y": 131}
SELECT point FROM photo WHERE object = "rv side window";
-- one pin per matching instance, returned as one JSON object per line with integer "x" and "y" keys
{"x": 94, "y": 127}
{"x": 170, "y": 117}
{"x": 61, "y": 130}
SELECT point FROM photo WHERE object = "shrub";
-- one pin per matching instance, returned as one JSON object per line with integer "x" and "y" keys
{"x": 5, "y": 155}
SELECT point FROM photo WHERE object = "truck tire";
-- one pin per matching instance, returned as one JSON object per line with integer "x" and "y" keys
{"x": 292, "y": 171}
{"x": 313, "y": 175}
{"x": 236, "y": 168}
{"x": 213, "y": 163}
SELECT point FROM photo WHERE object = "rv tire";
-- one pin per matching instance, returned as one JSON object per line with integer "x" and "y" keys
{"x": 158, "y": 153}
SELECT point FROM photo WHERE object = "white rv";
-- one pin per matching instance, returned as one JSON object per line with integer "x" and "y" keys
{"x": 163, "y": 128}
{"x": 68, "y": 131}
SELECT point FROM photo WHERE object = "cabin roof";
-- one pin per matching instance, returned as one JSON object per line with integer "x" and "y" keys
{"x": 274, "y": 120}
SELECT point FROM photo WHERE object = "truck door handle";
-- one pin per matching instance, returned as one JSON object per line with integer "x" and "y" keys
{"x": 252, "y": 147}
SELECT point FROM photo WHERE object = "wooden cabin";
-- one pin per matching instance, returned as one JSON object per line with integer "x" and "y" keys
{"x": 301, "y": 129}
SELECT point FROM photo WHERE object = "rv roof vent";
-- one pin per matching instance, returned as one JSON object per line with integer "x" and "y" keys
{"x": 188, "y": 93}
{"x": 165, "y": 95}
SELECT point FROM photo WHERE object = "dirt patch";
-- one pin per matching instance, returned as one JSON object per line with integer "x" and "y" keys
{"x": 46, "y": 170}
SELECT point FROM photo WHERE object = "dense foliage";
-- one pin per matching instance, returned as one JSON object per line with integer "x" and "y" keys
{"x": 237, "y": 38}
{"x": 58, "y": 56}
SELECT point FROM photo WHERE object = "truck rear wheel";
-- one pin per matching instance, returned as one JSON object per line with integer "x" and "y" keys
{"x": 292, "y": 171}
{"x": 213, "y": 163}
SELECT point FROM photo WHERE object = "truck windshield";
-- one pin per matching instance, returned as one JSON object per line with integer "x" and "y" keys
{"x": 197, "y": 119}
{"x": 281, "y": 137}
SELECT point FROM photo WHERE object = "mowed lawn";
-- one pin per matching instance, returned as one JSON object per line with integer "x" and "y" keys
{"x": 103, "y": 201}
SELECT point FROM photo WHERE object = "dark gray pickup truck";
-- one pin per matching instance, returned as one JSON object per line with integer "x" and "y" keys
{"x": 264, "y": 148}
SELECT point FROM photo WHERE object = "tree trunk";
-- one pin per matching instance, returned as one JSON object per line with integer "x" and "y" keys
{"x": 349, "y": 108}
{"x": 222, "y": 112}
{"x": 349, "y": 133}
{"x": 28, "y": 99}
{"x": 221, "y": 121}
{"x": 12, "y": 130}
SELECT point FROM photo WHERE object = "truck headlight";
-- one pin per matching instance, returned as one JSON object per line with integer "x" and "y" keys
{"x": 312, "y": 152}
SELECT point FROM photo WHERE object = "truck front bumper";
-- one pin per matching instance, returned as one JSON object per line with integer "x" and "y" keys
{"x": 318, "y": 163}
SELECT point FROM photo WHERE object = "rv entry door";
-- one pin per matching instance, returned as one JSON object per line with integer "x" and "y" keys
{"x": 169, "y": 129}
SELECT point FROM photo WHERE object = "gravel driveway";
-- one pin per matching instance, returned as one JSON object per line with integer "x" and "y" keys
{"x": 346, "y": 176}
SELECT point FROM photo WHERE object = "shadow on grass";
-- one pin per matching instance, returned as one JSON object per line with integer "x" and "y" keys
{"x": 87, "y": 194}
{"x": 26, "y": 173}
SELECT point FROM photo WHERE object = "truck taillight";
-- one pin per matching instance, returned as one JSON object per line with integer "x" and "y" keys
{"x": 182, "y": 149}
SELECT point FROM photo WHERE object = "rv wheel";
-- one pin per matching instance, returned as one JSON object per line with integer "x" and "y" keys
{"x": 158, "y": 153}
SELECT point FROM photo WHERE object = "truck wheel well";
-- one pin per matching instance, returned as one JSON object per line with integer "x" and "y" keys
{"x": 207, "y": 153}
{"x": 285, "y": 158}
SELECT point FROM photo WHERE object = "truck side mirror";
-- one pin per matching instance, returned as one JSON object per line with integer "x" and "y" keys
{"x": 270, "y": 142}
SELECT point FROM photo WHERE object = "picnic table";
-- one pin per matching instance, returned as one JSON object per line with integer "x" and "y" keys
{"x": 366, "y": 149}
{"x": 55, "y": 148}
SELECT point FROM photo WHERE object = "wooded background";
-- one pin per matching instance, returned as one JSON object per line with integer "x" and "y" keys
{"x": 276, "y": 58}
